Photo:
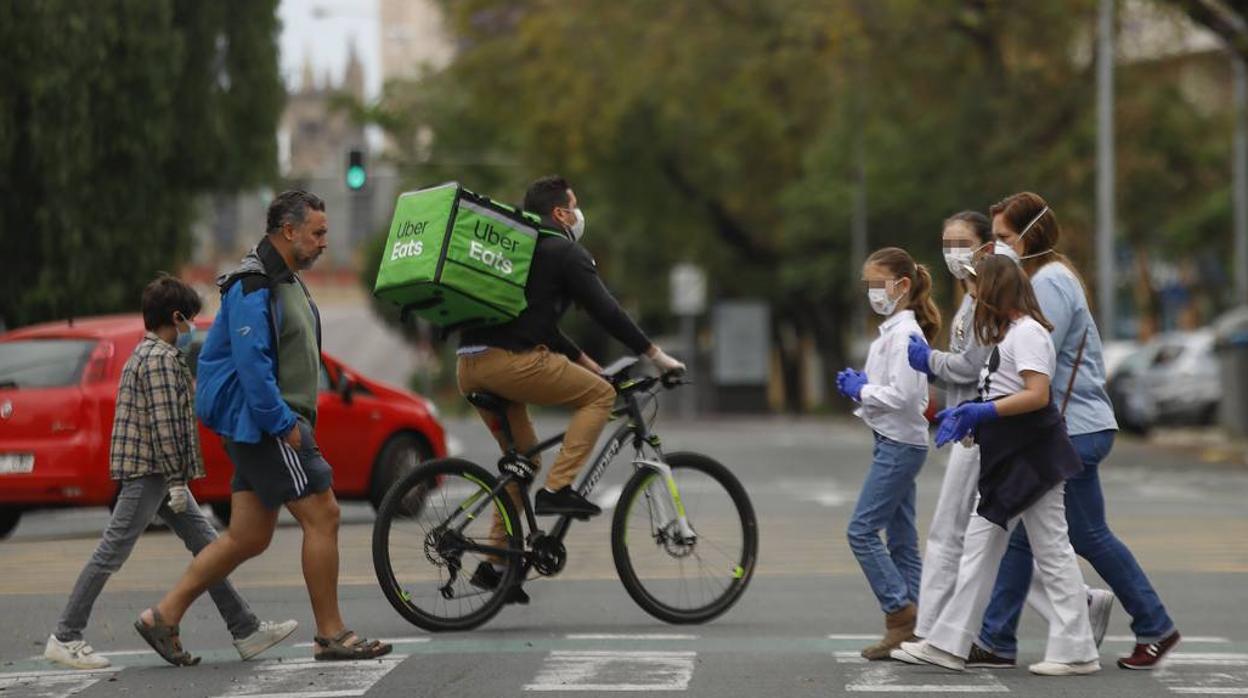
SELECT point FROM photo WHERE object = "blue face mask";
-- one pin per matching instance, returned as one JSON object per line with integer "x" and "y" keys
{"x": 185, "y": 339}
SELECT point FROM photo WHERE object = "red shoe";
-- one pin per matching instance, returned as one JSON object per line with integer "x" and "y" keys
{"x": 1148, "y": 656}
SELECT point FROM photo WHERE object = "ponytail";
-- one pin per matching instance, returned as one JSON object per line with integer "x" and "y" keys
{"x": 925, "y": 310}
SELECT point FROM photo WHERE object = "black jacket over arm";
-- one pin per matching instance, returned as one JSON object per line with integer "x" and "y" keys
{"x": 1020, "y": 459}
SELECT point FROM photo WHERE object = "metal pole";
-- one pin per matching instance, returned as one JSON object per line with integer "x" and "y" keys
{"x": 1105, "y": 168}
{"x": 1239, "y": 173}
{"x": 858, "y": 221}
{"x": 689, "y": 337}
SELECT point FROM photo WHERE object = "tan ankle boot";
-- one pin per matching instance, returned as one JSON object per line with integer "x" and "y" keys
{"x": 898, "y": 628}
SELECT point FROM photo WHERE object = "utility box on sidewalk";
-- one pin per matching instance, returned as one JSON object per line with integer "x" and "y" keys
{"x": 1231, "y": 346}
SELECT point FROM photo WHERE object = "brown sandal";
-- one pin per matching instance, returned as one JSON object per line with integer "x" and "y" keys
{"x": 165, "y": 639}
{"x": 336, "y": 649}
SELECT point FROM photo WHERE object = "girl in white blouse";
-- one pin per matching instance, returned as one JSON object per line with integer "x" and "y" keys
{"x": 893, "y": 398}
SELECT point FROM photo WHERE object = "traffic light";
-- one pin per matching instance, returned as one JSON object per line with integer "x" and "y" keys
{"x": 357, "y": 175}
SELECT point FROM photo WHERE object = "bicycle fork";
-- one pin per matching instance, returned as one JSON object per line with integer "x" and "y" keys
{"x": 670, "y": 509}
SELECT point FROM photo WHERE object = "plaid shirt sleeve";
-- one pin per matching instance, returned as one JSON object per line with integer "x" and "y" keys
{"x": 166, "y": 397}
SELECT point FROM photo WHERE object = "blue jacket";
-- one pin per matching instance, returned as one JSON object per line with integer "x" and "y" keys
{"x": 236, "y": 393}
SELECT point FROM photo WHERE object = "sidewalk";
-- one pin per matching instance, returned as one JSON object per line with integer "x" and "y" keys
{"x": 1209, "y": 444}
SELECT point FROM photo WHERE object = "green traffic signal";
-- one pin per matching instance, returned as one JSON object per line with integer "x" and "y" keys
{"x": 356, "y": 177}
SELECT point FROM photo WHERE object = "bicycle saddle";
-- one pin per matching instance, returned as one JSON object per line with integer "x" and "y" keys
{"x": 487, "y": 401}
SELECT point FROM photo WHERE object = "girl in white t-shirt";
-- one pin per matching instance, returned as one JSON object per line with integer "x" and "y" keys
{"x": 1025, "y": 458}
{"x": 892, "y": 398}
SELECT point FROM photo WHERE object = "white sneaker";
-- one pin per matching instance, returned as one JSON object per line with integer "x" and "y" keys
{"x": 1065, "y": 669}
{"x": 928, "y": 654}
{"x": 75, "y": 655}
{"x": 901, "y": 655}
{"x": 1100, "y": 604}
{"x": 268, "y": 634}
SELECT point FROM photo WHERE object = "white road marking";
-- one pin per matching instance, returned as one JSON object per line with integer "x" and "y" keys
{"x": 1206, "y": 659}
{"x": 849, "y": 657}
{"x": 852, "y": 636}
{"x": 885, "y": 678}
{"x": 607, "y": 497}
{"x": 1212, "y": 690}
{"x": 52, "y": 684}
{"x": 602, "y": 671}
{"x": 639, "y": 636}
{"x": 284, "y": 679}
{"x": 126, "y": 653}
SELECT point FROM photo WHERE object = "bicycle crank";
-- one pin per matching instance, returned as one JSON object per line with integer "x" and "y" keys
{"x": 549, "y": 555}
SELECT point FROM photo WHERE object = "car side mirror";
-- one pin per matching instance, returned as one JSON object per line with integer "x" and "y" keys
{"x": 346, "y": 387}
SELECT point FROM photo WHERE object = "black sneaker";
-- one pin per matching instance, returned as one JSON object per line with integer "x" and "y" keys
{"x": 486, "y": 577}
{"x": 565, "y": 501}
{"x": 980, "y": 657}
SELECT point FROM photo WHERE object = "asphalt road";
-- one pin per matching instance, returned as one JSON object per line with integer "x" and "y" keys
{"x": 796, "y": 631}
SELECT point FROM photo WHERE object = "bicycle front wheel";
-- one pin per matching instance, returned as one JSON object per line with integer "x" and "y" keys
{"x": 674, "y": 577}
{"x": 427, "y": 545}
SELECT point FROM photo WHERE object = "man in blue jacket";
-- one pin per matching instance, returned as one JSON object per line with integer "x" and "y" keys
{"x": 257, "y": 387}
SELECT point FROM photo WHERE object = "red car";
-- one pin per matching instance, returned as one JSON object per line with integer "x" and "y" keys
{"x": 58, "y": 384}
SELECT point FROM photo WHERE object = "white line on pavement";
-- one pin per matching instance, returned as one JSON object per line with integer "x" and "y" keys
{"x": 625, "y": 636}
{"x": 1207, "y": 659}
{"x": 884, "y": 678}
{"x": 284, "y": 679}
{"x": 607, "y": 498}
{"x": 604, "y": 671}
{"x": 852, "y": 636}
{"x": 1212, "y": 691}
{"x": 51, "y": 684}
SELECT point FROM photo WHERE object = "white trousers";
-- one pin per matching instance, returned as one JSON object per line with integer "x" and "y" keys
{"x": 1057, "y": 570}
{"x": 944, "y": 538}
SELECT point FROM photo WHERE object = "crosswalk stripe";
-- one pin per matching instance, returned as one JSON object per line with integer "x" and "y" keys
{"x": 637, "y": 636}
{"x": 1211, "y": 639}
{"x": 591, "y": 671}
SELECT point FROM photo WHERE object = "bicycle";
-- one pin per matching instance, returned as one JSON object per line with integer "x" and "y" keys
{"x": 432, "y": 519}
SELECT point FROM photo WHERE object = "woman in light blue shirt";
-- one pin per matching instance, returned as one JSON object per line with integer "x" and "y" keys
{"x": 1026, "y": 224}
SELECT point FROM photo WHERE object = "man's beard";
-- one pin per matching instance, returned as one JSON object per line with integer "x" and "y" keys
{"x": 303, "y": 261}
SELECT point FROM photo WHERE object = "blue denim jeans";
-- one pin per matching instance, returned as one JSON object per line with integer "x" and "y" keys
{"x": 1094, "y": 542}
{"x": 886, "y": 504}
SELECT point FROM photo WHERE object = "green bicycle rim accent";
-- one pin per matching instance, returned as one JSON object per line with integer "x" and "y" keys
{"x": 502, "y": 511}
{"x": 739, "y": 572}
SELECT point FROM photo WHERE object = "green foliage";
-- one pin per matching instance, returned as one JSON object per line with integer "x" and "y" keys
{"x": 725, "y": 132}
{"x": 113, "y": 115}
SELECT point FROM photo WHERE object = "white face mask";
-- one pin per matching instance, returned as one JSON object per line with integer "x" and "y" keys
{"x": 880, "y": 301}
{"x": 578, "y": 228}
{"x": 958, "y": 259}
{"x": 1005, "y": 250}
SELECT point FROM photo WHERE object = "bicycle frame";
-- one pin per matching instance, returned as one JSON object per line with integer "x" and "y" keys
{"x": 635, "y": 429}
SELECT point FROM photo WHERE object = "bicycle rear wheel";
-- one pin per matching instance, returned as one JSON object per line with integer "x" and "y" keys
{"x": 425, "y": 545}
{"x": 676, "y": 580}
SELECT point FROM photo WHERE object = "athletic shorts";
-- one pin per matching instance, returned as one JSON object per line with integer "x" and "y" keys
{"x": 278, "y": 473}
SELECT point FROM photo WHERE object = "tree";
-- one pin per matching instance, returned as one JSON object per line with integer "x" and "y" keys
{"x": 113, "y": 115}
{"x": 725, "y": 131}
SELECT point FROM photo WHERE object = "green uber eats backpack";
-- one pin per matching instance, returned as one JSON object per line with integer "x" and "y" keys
{"x": 456, "y": 258}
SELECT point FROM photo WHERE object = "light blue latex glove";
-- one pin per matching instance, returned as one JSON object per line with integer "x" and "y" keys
{"x": 850, "y": 382}
{"x": 919, "y": 354}
{"x": 957, "y": 422}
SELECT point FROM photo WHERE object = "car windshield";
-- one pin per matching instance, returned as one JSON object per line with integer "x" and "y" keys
{"x": 43, "y": 363}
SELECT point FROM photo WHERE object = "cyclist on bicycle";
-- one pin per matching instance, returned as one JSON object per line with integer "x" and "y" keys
{"x": 529, "y": 360}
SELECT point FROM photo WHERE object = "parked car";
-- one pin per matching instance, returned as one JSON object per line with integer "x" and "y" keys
{"x": 58, "y": 384}
{"x": 1172, "y": 379}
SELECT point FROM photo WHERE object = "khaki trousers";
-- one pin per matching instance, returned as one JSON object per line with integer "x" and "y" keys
{"x": 540, "y": 377}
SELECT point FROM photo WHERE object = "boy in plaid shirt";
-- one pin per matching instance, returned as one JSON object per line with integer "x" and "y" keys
{"x": 154, "y": 453}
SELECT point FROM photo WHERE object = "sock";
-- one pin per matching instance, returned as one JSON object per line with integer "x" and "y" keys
{"x": 548, "y": 490}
